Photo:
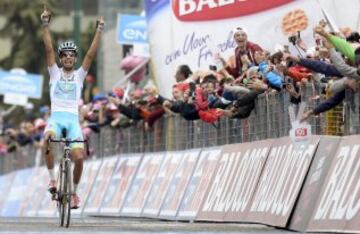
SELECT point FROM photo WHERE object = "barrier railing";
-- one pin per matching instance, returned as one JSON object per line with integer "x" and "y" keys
{"x": 269, "y": 119}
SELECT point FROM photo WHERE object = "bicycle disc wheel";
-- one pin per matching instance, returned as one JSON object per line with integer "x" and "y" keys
{"x": 67, "y": 189}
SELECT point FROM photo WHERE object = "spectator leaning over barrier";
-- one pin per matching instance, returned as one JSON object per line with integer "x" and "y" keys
{"x": 245, "y": 94}
{"x": 182, "y": 103}
{"x": 206, "y": 96}
{"x": 65, "y": 91}
{"x": 177, "y": 96}
{"x": 244, "y": 53}
{"x": 153, "y": 106}
{"x": 351, "y": 73}
{"x": 131, "y": 110}
{"x": 351, "y": 81}
{"x": 273, "y": 79}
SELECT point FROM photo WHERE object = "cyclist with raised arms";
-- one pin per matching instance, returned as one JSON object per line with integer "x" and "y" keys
{"x": 66, "y": 85}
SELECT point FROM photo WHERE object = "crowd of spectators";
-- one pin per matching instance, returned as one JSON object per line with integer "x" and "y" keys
{"x": 225, "y": 91}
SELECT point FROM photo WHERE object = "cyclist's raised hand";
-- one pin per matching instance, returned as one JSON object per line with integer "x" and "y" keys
{"x": 100, "y": 24}
{"x": 45, "y": 16}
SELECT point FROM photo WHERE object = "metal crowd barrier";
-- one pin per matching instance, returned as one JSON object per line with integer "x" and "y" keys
{"x": 269, "y": 119}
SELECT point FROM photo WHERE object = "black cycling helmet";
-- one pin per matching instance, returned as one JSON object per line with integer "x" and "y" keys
{"x": 67, "y": 46}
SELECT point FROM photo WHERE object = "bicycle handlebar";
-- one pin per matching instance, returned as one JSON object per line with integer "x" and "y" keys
{"x": 67, "y": 142}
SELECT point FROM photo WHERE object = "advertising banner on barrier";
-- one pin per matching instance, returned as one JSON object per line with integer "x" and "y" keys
{"x": 120, "y": 183}
{"x": 15, "y": 197}
{"x": 179, "y": 184}
{"x": 37, "y": 185}
{"x": 235, "y": 181}
{"x": 88, "y": 177}
{"x": 315, "y": 179}
{"x": 100, "y": 185}
{"x": 161, "y": 184}
{"x": 140, "y": 188}
{"x": 6, "y": 182}
{"x": 195, "y": 30}
{"x": 199, "y": 183}
{"x": 337, "y": 208}
{"x": 281, "y": 181}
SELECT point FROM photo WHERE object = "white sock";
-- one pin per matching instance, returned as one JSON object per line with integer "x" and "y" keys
{"x": 75, "y": 188}
{"x": 52, "y": 174}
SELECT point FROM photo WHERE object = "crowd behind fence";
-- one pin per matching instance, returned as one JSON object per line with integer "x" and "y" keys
{"x": 270, "y": 119}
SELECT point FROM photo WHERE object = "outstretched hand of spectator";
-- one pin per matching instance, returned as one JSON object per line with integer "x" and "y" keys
{"x": 257, "y": 85}
{"x": 321, "y": 31}
{"x": 217, "y": 56}
{"x": 352, "y": 84}
{"x": 291, "y": 90}
{"x": 327, "y": 44}
{"x": 306, "y": 115}
{"x": 114, "y": 100}
{"x": 289, "y": 57}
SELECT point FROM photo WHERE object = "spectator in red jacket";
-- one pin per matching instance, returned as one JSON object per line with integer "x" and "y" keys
{"x": 244, "y": 47}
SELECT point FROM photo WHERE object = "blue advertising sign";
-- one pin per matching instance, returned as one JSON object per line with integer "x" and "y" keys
{"x": 131, "y": 29}
{"x": 29, "y": 85}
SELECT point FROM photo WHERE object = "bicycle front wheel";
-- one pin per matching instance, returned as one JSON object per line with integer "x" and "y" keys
{"x": 60, "y": 194}
{"x": 67, "y": 193}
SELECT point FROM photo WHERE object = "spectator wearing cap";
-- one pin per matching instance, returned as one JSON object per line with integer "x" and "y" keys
{"x": 245, "y": 50}
{"x": 45, "y": 112}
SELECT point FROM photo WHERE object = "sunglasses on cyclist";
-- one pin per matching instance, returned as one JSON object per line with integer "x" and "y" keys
{"x": 67, "y": 54}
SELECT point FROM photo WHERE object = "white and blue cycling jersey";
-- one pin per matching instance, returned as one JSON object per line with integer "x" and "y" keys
{"x": 65, "y": 94}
